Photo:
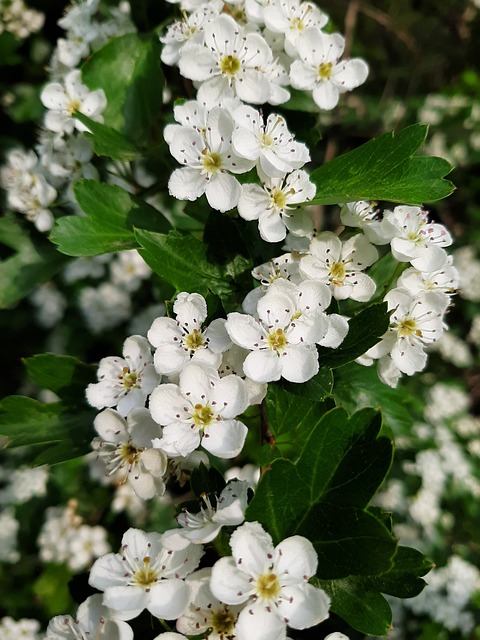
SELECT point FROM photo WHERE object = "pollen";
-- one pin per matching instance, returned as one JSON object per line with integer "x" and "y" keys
{"x": 129, "y": 378}
{"x": 128, "y": 453}
{"x": 277, "y": 340}
{"x": 407, "y": 327}
{"x": 145, "y": 576}
{"x": 278, "y": 198}
{"x": 337, "y": 273}
{"x": 73, "y": 105}
{"x": 194, "y": 340}
{"x": 230, "y": 65}
{"x": 223, "y": 621}
{"x": 212, "y": 162}
{"x": 268, "y": 586}
{"x": 325, "y": 70}
{"x": 203, "y": 415}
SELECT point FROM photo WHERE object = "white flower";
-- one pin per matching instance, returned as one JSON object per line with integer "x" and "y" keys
{"x": 444, "y": 279}
{"x": 319, "y": 71}
{"x": 229, "y": 510}
{"x": 146, "y": 574}
{"x": 93, "y": 620}
{"x": 186, "y": 32}
{"x": 270, "y": 145}
{"x": 230, "y": 62}
{"x": 205, "y": 610}
{"x": 25, "y": 628}
{"x": 201, "y": 409}
{"x": 104, "y": 307}
{"x": 278, "y": 346}
{"x": 271, "y": 582}
{"x": 340, "y": 265}
{"x": 206, "y": 161}
{"x": 124, "y": 382}
{"x": 415, "y": 322}
{"x": 292, "y": 18}
{"x": 63, "y": 100}
{"x": 415, "y": 239}
{"x": 185, "y": 339}
{"x": 32, "y": 198}
{"x": 273, "y": 205}
{"x": 363, "y": 215}
{"x": 126, "y": 445}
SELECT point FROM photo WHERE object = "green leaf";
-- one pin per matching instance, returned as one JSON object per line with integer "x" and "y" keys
{"x": 317, "y": 388}
{"x": 206, "y": 480}
{"x": 357, "y": 386}
{"x": 358, "y": 599}
{"x": 324, "y": 494}
{"x": 112, "y": 213}
{"x": 365, "y": 330}
{"x": 24, "y": 421}
{"x": 64, "y": 375}
{"x": 128, "y": 69}
{"x": 35, "y": 261}
{"x": 384, "y": 168}
{"x": 301, "y": 101}
{"x": 107, "y": 141}
{"x": 181, "y": 259}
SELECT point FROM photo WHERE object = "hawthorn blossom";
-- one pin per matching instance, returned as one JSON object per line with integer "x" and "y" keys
{"x": 93, "y": 620}
{"x": 445, "y": 279}
{"x": 34, "y": 199}
{"x": 207, "y": 160}
{"x": 292, "y": 18}
{"x": 124, "y": 382}
{"x": 147, "y": 574}
{"x": 201, "y": 409}
{"x": 278, "y": 346}
{"x": 319, "y": 69}
{"x": 341, "y": 265}
{"x": 273, "y": 205}
{"x": 270, "y": 145}
{"x": 415, "y": 322}
{"x": 126, "y": 446}
{"x": 185, "y": 339}
{"x": 206, "y": 611}
{"x": 230, "y": 62}
{"x": 363, "y": 215}
{"x": 415, "y": 239}
{"x": 187, "y": 31}
{"x": 64, "y": 99}
{"x": 271, "y": 582}
{"x": 228, "y": 509}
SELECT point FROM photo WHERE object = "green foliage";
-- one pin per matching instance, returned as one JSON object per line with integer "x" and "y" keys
{"x": 128, "y": 70}
{"x": 365, "y": 329}
{"x": 181, "y": 259}
{"x": 207, "y": 480}
{"x": 112, "y": 214}
{"x": 108, "y": 142}
{"x": 34, "y": 261}
{"x": 384, "y": 168}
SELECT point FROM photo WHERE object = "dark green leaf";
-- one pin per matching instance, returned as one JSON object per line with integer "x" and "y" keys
{"x": 112, "y": 213}
{"x": 206, "y": 480}
{"x": 107, "y": 141}
{"x": 226, "y": 246}
{"x": 301, "y": 101}
{"x": 24, "y": 421}
{"x": 64, "y": 375}
{"x": 357, "y": 386}
{"x": 128, "y": 69}
{"x": 35, "y": 261}
{"x": 181, "y": 260}
{"x": 365, "y": 330}
{"x": 384, "y": 168}
{"x": 324, "y": 495}
{"x": 287, "y": 412}
{"x": 317, "y": 388}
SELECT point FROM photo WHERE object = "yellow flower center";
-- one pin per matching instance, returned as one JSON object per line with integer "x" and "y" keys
{"x": 278, "y": 198}
{"x": 408, "y": 327}
{"x": 194, "y": 340}
{"x": 145, "y": 576}
{"x": 129, "y": 378}
{"x": 325, "y": 70}
{"x": 297, "y": 24}
{"x": 73, "y": 105}
{"x": 277, "y": 340}
{"x": 267, "y": 140}
{"x": 230, "y": 65}
{"x": 129, "y": 453}
{"x": 223, "y": 621}
{"x": 268, "y": 586}
{"x": 202, "y": 416}
{"x": 337, "y": 273}
{"x": 212, "y": 162}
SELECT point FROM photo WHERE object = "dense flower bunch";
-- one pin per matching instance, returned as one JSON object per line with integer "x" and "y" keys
{"x": 191, "y": 373}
